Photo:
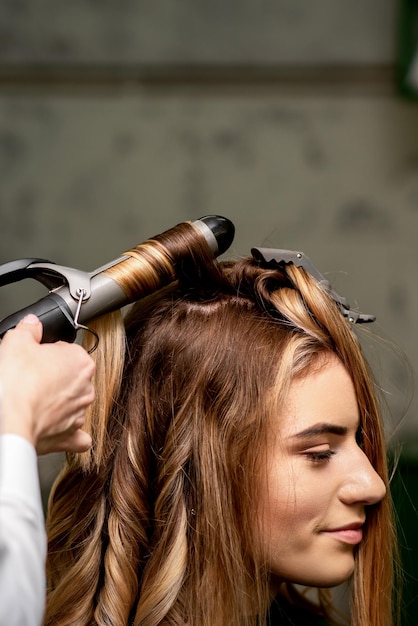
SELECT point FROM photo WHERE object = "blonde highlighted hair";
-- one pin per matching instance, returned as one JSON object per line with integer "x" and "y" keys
{"x": 155, "y": 526}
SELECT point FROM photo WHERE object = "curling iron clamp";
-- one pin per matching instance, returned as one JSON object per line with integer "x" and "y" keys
{"x": 76, "y": 297}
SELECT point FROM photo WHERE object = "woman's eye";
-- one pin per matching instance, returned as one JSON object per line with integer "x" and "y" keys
{"x": 360, "y": 438}
{"x": 319, "y": 456}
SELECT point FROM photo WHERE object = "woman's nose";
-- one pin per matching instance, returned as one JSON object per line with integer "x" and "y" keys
{"x": 364, "y": 484}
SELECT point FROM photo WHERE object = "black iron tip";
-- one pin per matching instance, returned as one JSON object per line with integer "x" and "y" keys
{"x": 223, "y": 230}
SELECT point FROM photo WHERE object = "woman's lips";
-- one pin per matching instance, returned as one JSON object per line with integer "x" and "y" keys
{"x": 351, "y": 534}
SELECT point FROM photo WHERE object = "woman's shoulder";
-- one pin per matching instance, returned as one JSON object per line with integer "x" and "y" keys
{"x": 283, "y": 613}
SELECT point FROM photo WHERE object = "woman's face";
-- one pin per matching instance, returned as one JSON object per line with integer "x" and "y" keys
{"x": 319, "y": 482}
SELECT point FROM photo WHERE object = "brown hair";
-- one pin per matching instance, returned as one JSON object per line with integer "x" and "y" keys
{"x": 156, "y": 525}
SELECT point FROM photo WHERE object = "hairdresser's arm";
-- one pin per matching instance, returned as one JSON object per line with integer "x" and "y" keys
{"x": 22, "y": 535}
{"x": 45, "y": 390}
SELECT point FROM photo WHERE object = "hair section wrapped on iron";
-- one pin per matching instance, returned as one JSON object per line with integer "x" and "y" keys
{"x": 157, "y": 525}
{"x": 175, "y": 251}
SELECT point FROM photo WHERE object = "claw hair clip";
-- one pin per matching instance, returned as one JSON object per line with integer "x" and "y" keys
{"x": 276, "y": 258}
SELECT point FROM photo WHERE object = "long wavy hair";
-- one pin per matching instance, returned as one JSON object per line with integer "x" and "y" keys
{"x": 156, "y": 525}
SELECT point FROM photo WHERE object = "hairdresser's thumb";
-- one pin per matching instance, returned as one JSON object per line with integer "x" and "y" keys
{"x": 32, "y": 324}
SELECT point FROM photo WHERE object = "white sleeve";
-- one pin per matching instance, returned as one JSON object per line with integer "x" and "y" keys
{"x": 22, "y": 535}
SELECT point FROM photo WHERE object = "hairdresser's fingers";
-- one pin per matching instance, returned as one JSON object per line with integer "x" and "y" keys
{"x": 79, "y": 421}
{"x": 32, "y": 325}
{"x": 80, "y": 441}
{"x": 76, "y": 441}
{"x": 74, "y": 405}
{"x": 27, "y": 331}
{"x": 78, "y": 373}
{"x": 88, "y": 395}
{"x": 74, "y": 412}
{"x": 71, "y": 417}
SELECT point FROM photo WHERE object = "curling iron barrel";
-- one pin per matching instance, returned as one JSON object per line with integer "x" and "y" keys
{"x": 76, "y": 298}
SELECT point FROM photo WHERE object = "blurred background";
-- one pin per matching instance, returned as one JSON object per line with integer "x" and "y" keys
{"x": 296, "y": 120}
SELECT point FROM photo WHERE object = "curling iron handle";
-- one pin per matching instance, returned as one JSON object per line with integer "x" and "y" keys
{"x": 54, "y": 314}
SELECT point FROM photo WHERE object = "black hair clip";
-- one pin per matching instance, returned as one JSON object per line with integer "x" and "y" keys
{"x": 274, "y": 258}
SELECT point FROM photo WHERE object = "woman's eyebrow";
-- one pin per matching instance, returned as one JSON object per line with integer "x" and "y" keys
{"x": 321, "y": 429}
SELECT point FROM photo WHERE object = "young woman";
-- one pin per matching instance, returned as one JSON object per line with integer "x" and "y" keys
{"x": 240, "y": 452}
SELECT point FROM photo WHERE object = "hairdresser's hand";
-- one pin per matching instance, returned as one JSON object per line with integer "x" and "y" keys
{"x": 45, "y": 389}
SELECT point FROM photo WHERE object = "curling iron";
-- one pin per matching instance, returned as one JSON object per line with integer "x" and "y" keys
{"x": 76, "y": 297}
